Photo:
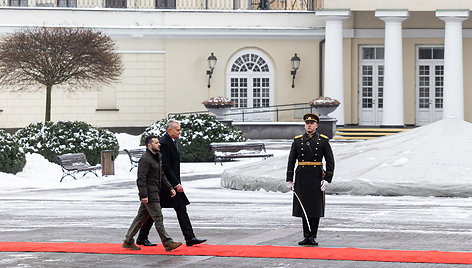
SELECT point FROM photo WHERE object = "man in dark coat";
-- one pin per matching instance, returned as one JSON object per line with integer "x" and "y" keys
{"x": 171, "y": 166}
{"x": 150, "y": 181}
{"x": 310, "y": 180}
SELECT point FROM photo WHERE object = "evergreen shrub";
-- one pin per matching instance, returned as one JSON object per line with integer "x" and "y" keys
{"x": 51, "y": 139}
{"x": 198, "y": 131}
{"x": 12, "y": 157}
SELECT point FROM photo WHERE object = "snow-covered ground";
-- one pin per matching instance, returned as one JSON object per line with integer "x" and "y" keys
{"x": 433, "y": 160}
{"x": 37, "y": 207}
{"x": 39, "y": 173}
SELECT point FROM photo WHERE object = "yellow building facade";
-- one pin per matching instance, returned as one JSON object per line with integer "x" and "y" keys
{"x": 390, "y": 64}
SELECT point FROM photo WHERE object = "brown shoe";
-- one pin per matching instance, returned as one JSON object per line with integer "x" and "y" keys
{"x": 173, "y": 246}
{"x": 130, "y": 246}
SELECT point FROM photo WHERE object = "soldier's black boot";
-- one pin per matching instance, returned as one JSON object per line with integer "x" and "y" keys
{"x": 305, "y": 241}
{"x": 313, "y": 241}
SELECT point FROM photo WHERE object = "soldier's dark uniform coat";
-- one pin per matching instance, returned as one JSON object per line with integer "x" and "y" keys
{"x": 309, "y": 148}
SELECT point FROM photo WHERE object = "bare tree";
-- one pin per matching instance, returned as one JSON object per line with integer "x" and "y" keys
{"x": 78, "y": 58}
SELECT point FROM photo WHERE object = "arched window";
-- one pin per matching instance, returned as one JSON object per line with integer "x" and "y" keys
{"x": 250, "y": 84}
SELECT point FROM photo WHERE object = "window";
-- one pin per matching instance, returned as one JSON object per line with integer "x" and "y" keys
{"x": 116, "y": 3}
{"x": 66, "y": 3}
{"x": 373, "y": 53}
{"x": 165, "y": 4}
{"x": 239, "y": 92}
{"x": 18, "y": 3}
{"x": 250, "y": 63}
{"x": 250, "y": 85}
{"x": 429, "y": 53}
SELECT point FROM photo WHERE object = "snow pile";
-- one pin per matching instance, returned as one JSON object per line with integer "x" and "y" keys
{"x": 433, "y": 160}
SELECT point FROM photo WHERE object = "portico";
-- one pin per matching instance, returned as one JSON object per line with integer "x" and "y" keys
{"x": 435, "y": 91}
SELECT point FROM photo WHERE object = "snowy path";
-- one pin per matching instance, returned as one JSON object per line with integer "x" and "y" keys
{"x": 36, "y": 207}
{"x": 103, "y": 212}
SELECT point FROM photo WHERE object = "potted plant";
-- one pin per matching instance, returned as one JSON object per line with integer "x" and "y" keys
{"x": 324, "y": 105}
{"x": 218, "y": 106}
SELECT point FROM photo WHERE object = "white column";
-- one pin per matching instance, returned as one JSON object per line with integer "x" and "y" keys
{"x": 333, "y": 60}
{"x": 393, "y": 110}
{"x": 453, "y": 64}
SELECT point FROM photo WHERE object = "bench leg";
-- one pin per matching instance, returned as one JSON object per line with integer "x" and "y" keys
{"x": 90, "y": 171}
{"x": 133, "y": 165}
{"x": 66, "y": 173}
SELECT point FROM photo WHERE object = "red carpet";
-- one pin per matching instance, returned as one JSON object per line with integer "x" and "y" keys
{"x": 353, "y": 254}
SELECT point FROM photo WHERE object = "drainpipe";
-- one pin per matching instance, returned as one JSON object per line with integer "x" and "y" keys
{"x": 322, "y": 42}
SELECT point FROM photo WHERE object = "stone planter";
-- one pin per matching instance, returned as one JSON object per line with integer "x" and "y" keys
{"x": 327, "y": 125}
{"x": 219, "y": 111}
{"x": 325, "y": 110}
{"x": 218, "y": 106}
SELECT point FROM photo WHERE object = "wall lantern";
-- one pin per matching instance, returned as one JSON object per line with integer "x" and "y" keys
{"x": 295, "y": 64}
{"x": 211, "y": 64}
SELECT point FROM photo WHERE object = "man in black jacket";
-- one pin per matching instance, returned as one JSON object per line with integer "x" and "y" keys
{"x": 171, "y": 166}
{"x": 150, "y": 181}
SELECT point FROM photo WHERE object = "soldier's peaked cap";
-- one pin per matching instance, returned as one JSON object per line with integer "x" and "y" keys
{"x": 311, "y": 118}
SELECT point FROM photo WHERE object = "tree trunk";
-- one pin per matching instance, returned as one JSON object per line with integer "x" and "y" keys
{"x": 48, "y": 103}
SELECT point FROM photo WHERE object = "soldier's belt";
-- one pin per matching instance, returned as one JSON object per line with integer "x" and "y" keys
{"x": 310, "y": 163}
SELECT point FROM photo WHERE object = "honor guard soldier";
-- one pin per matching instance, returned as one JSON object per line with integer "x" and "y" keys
{"x": 311, "y": 180}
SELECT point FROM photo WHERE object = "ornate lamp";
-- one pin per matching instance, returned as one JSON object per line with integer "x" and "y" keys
{"x": 295, "y": 65}
{"x": 211, "y": 64}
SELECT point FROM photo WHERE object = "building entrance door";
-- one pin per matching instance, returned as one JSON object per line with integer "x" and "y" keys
{"x": 430, "y": 84}
{"x": 250, "y": 81}
{"x": 371, "y": 79}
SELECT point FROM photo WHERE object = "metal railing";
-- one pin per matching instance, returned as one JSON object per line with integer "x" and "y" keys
{"x": 243, "y": 114}
{"x": 174, "y": 4}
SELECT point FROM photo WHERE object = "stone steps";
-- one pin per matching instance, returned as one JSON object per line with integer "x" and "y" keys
{"x": 364, "y": 133}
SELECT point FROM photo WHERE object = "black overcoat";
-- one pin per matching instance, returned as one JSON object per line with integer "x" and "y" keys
{"x": 309, "y": 148}
{"x": 151, "y": 179}
{"x": 171, "y": 167}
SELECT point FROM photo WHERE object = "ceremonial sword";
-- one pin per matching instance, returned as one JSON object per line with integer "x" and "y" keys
{"x": 303, "y": 208}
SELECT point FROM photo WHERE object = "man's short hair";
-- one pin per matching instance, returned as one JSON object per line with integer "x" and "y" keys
{"x": 148, "y": 139}
{"x": 170, "y": 122}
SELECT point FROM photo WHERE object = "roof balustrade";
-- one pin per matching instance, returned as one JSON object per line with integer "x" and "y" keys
{"x": 262, "y": 5}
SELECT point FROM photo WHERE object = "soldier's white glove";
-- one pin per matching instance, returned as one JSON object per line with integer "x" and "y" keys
{"x": 324, "y": 185}
{"x": 290, "y": 185}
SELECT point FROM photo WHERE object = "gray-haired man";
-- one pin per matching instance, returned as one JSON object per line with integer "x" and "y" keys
{"x": 171, "y": 167}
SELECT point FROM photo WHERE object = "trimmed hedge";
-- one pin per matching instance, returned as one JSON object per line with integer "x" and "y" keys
{"x": 12, "y": 157}
{"x": 197, "y": 132}
{"x": 52, "y": 139}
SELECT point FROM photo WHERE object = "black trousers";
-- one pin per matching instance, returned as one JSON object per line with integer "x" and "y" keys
{"x": 184, "y": 222}
{"x": 314, "y": 222}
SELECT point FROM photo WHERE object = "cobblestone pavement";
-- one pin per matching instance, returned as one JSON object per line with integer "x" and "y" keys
{"x": 103, "y": 213}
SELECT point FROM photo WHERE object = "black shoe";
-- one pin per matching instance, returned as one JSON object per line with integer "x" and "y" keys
{"x": 305, "y": 241}
{"x": 313, "y": 241}
{"x": 145, "y": 242}
{"x": 195, "y": 241}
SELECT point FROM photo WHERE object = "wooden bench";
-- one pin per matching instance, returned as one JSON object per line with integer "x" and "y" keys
{"x": 72, "y": 164}
{"x": 134, "y": 156}
{"x": 232, "y": 150}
